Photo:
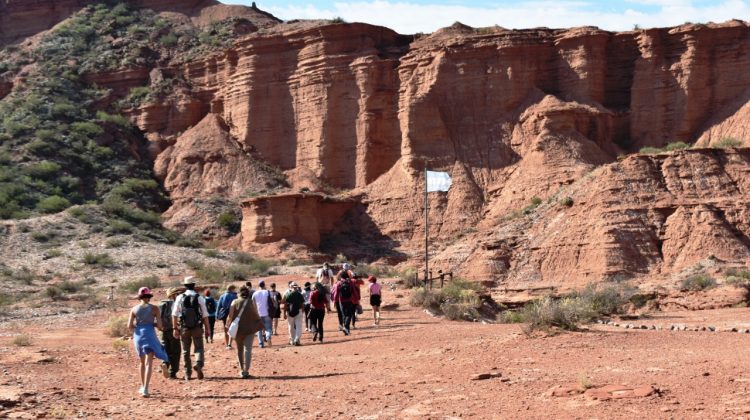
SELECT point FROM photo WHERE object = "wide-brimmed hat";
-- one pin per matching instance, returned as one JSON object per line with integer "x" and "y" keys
{"x": 144, "y": 292}
{"x": 188, "y": 280}
{"x": 172, "y": 291}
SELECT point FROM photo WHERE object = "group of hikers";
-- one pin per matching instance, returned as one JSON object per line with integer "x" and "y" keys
{"x": 185, "y": 317}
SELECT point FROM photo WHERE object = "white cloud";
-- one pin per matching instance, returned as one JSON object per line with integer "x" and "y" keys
{"x": 408, "y": 18}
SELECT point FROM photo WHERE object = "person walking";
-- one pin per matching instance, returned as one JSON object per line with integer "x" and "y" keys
{"x": 319, "y": 302}
{"x": 376, "y": 298}
{"x": 141, "y": 323}
{"x": 190, "y": 313}
{"x": 222, "y": 311}
{"x": 356, "y": 298}
{"x": 249, "y": 323}
{"x": 211, "y": 307}
{"x": 306, "y": 292}
{"x": 343, "y": 293}
{"x": 294, "y": 304}
{"x": 325, "y": 275}
{"x": 171, "y": 345}
{"x": 262, "y": 299}
{"x": 276, "y": 313}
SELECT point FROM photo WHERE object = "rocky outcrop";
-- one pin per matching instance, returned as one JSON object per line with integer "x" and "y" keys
{"x": 646, "y": 215}
{"x": 300, "y": 218}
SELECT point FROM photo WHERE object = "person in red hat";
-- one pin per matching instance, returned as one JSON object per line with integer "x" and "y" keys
{"x": 143, "y": 318}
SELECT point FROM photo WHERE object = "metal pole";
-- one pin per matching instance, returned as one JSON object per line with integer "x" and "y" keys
{"x": 426, "y": 227}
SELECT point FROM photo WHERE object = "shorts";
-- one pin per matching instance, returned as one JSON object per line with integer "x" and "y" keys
{"x": 374, "y": 300}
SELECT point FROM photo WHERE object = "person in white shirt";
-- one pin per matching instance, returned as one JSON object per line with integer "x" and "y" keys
{"x": 189, "y": 324}
{"x": 325, "y": 275}
{"x": 262, "y": 298}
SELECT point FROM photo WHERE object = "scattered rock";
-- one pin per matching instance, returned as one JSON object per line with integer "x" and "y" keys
{"x": 484, "y": 376}
{"x": 620, "y": 391}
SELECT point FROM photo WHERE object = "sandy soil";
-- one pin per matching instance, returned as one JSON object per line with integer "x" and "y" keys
{"x": 412, "y": 366}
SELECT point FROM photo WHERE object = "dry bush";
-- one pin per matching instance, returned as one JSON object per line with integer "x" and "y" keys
{"x": 117, "y": 326}
{"x": 120, "y": 344}
{"x": 22, "y": 340}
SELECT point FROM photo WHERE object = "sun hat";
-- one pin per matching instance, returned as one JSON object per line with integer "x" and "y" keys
{"x": 346, "y": 266}
{"x": 172, "y": 291}
{"x": 144, "y": 292}
{"x": 188, "y": 280}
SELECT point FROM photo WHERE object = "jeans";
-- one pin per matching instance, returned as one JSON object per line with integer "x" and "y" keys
{"x": 245, "y": 352}
{"x": 267, "y": 325}
{"x": 172, "y": 346}
{"x": 211, "y": 323}
{"x": 346, "y": 311}
{"x": 295, "y": 326}
{"x": 316, "y": 321}
{"x": 194, "y": 337}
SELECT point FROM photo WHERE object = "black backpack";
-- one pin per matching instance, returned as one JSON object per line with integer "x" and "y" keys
{"x": 211, "y": 305}
{"x": 191, "y": 312}
{"x": 166, "y": 314}
{"x": 345, "y": 289}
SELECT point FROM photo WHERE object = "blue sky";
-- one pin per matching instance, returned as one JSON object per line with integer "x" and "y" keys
{"x": 411, "y": 16}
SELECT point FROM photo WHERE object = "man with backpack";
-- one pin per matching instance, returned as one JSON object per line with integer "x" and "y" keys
{"x": 344, "y": 296}
{"x": 170, "y": 343}
{"x": 294, "y": 304}
{"x": 222, "y": 311}
{"x": 324, "y": 275}
{"x": 190, "y": 313}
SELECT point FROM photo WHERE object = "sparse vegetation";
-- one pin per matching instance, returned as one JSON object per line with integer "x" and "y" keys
{"x": 677, "y": 145}
{"x": 229, "y": 222}
{"x": 459, "y": 299}
{"x": 697, "y": 282}
{"x": 121, "y": 344}
{"x": 152, "y": 282}
{"x": 567, "y": 202}
{"x": 570, "y": 311}
{"x": 102, "y": 260}
{"x": 116, "y": 242}
{"x": 727, "y": 142}
{"x": 211, "y": 253}
{"x": 737, "y": 277}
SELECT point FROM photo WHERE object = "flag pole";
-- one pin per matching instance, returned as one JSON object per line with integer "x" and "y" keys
{"x": 426, "y": 229}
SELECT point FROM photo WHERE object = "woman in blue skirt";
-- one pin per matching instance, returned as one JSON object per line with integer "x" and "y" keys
{"x": 141, "y": 323}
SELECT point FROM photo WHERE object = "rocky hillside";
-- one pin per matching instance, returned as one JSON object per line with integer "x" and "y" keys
{"x": 577, "y": 155}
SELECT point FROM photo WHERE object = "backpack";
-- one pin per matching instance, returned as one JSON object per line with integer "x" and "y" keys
{"x": 294, "y": 302}
{"x": 345, "y": 289}
{"x": 190, "y": 317}
{"x": 211, "y": 305}
{"x": 166, "y": 314}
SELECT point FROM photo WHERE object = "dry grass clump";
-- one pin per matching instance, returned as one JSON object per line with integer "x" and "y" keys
{"x": 117, "y": 326}
{"x": 457, "y": 300}
{"x": 22, "y": 340}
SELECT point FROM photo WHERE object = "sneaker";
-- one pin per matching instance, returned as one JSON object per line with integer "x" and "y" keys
{"x": 307, "y": 330}
{"x": 198, "y": 372}
{"x": 315, "y": 337}
{"x": 346, "y": 331}
{"x": 141, "y": 389}
{"x": 173, "y": 376}
{"x": 145, "y": 393}
{"x": 291, "y": 343}
{"x": 297, "y": 343}
{"x": 228, "y": 346}
{"x": 188, "y": 376}
{"x": 245, "y": 375}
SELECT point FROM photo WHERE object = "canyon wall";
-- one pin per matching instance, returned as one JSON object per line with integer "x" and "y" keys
{"x": 512, "y": 115}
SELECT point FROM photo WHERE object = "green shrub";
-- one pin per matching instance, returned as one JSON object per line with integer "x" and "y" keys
{"x": 377, "y": 270}
{"x": 117, "y": 226}
{"x": 168, "y": 40}
{"x": 737, "y": 277}
{"x": 678, "y": 145}
{"x": 697, "y": 283}
{"x": 103, "y": 260}
{"x": 567, "y": 202}
{"x": 229, "y": 222}
{"x": 650, "y": 150}
{"x": 115, "y": 243}
{"x": 68, "y": 286}
{"x": 152, "y": 282}
{"x": 117, "y": 326}
{"x": 243, "y": 258}
{"x": 457, "y": 300}
{"x": 211, "y": 253}
{"x": 727, "y": 142}
{"x": 54, "y": 292}
{"x": 43, "y": 236}
{"x": 53, "y": 204}
{"x": 52, "y": 253}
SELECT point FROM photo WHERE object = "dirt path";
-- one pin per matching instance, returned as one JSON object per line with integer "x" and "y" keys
{"x": 413, "y": 365}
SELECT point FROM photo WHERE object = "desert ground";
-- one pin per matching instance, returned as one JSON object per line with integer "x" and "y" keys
{"x": 413, "y": 365}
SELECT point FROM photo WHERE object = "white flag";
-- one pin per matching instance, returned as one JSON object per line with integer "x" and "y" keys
{"x": 438, "y": 181}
